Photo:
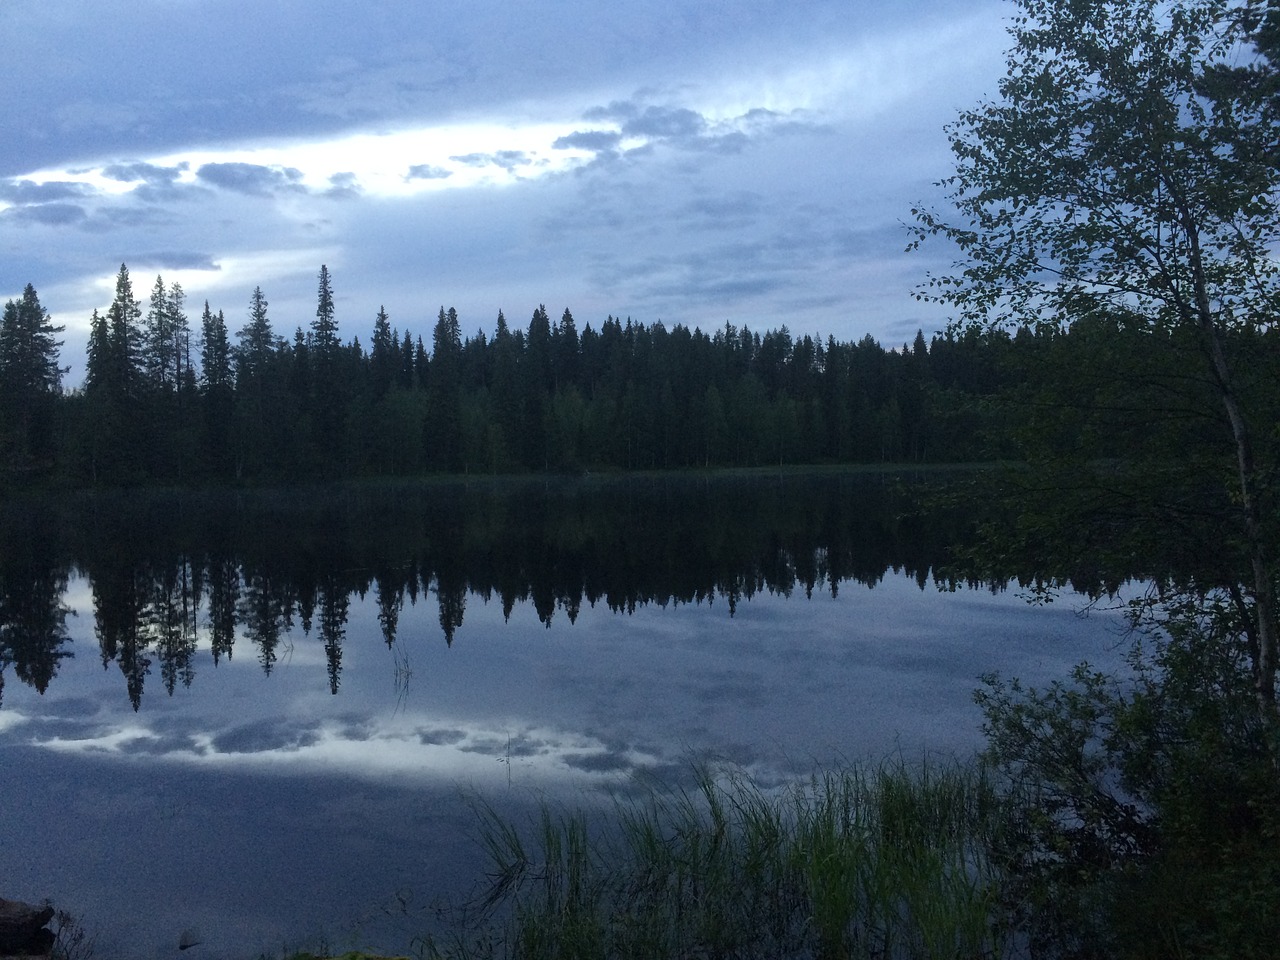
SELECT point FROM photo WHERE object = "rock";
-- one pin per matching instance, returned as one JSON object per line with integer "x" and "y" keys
{"x": 22, "y": 929}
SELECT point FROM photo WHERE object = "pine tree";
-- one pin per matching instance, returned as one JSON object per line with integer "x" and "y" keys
{"x": 167, "y": 380}
{"x": 215, "y": 351}
{"x": 564, "y": 354}
{"x": 30, "y": 376}
{"x": 257, "y": 343}
{"x": 99, "y": 367}
{"x": 126, "y": 335}
{"x": 325, "y": 326}
{"x": 384, "y": 357}
{"x": 180, "y": 333}
{"x": 443, "y": 427}
{"x": 421, "y": 373}
{"x": 158, "y": 341}
{"x": 217, "y": 390}
{"x": 254, "y": 359}
{"x": 330, "y": 386}
{"x": 114, "y": 444}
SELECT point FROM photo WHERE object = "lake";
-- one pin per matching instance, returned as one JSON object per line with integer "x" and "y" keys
{"x": 266, "y": 717}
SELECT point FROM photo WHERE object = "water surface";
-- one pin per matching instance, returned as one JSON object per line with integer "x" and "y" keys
{"x": 266, "y": 717}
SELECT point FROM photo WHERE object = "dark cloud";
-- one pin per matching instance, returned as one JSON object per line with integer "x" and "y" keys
{"x": 74, "y": 707}
{"x": 425, "y": 171}
{"x": 251, "y": 178}
{"x": 506, "y": 159}
{"x": 728, "y": 289}
{"x": 274, "y": 734}
{"x": 739, "y": 688}
{"x": 597, "y": 762}
{"x": 505, "y": 748}
{"x": 357, "y": 729}
{"x": 617, "y": 110}
{"x": 344, "y": 186}
{"x": 678, "y": 126}
{"x": 441, "y": 738}
{"x": 761, "y": 115}
{"x": 179, "y": 260}
{"x": 49, "y": 214}
{"x": 733, "y": 142}
{"x": 160, "y": 745}
{"x": 662, "y": 775}
{"x": 122, "y": 216}
{"x": 597, "y": 140}
{"x": 859, "y": 242}
{"x": 486, "y": 745}
{"x": 736, "y": 209}
{"x": 24, "y": 192}
{"x": 66, "y": 729}
{"x": 144, "y": 172}
{"x": 772, "y": 123}
{"x": 166, "y": 192}
{"x": 667, "y": 123}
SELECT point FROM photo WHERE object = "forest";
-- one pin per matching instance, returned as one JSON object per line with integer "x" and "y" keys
{"x": 166, "y": 400}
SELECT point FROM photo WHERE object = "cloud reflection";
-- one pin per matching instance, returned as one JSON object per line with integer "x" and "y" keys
{"x": 419, "y": 748}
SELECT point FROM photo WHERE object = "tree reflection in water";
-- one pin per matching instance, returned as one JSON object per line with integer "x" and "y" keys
{"x": 170, "y": 571}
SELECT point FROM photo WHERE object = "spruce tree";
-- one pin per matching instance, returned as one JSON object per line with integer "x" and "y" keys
{"x": 384, "y": 355}
{"x": 257, "y": 343}
{"x": 217, "y": 392}
{"x": 126, "y": 335}
{"x": 215, "y": 351}
{"x": 158, "y": 343}
{"x": 325, "y": 326}
{"x": 30, "y": 376}
{"x": 330, "y": 389}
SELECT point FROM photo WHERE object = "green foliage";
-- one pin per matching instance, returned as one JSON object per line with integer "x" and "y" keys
{"x": 1104, "y": 178}
{"x": 1126, "y": 181}
{"x": 1117, "y": 208}
{"x": 1148, "y": 806}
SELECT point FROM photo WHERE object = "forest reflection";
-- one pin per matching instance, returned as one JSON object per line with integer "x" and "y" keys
{"x": 171, "y": 573}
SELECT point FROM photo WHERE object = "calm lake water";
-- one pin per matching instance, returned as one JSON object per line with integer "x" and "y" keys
{"x": 266, "y": 717}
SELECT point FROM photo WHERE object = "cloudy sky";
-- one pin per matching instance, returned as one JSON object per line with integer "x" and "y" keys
{"x": 689, "y": 161}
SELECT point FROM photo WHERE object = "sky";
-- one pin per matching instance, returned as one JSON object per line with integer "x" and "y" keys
{"x": 695, "y": 162}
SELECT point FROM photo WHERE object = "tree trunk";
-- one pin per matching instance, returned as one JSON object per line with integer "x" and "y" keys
{"x": 1264, "y": 598}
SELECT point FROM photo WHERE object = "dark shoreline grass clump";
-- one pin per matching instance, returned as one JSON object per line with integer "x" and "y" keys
{"x": 885, "y": 862}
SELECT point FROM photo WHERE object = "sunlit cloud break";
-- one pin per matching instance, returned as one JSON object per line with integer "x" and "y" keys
{"x": 406, "y": 162}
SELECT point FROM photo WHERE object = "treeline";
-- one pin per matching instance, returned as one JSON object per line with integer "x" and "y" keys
{"x": 168, "y": 399}
{"x": 165, "y": 402}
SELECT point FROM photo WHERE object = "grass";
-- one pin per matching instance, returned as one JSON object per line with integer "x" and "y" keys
{"x": 886, "y": 863}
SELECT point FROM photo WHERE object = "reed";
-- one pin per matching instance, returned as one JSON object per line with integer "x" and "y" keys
{"x": 884, "y": 862}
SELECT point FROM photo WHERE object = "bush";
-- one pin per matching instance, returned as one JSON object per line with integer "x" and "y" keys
{"x": 1145, "y": 809}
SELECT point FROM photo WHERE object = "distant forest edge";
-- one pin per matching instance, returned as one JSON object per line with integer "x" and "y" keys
{"x": 163, "y": 402}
